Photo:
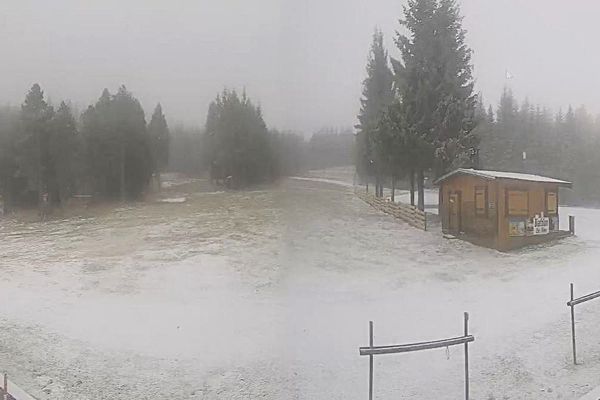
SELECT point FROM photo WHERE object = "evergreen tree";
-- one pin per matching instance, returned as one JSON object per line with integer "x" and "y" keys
{"x": 33, "y": 144}
{"x": 9, "y": 120}
{"x": 118, "y": 145}
{"x": 63, "y": 155}
{"x": 158, "y": 131}
{"x": 437, "y": 94}
{"x": 238, "y": 143}
{"x": 378, "y": 94}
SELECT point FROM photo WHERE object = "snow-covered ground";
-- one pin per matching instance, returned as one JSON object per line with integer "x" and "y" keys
{"x": 345, "y": 176}
{"x": 268, "y": 294}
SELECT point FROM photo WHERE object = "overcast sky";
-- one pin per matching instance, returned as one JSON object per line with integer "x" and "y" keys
{"x": 303, "y": 60}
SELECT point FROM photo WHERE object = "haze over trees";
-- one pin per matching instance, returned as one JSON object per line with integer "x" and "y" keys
{"x": 429, "y": 125}
{"x": 46, "y": 155}
{"x": 521, "y": 137}
{"x": 237, "y": 141}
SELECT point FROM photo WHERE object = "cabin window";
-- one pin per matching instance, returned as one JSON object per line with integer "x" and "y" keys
{"x": 551, "y": 203}
{"x": 481, "y": 201}
{"x": 518, "y": 202}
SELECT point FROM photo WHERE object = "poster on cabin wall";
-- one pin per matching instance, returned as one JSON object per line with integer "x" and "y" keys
{"x": 541, "y": 225}
{"x": 516, "y": 227}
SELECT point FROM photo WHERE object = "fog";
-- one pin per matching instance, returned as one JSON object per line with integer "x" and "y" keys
{"x": 302, "y": 60}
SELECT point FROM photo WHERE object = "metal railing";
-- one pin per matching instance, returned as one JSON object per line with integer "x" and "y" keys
{"x": 372, "y": 351}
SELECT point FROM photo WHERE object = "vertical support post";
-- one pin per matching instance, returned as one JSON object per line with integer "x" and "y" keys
{"x": 572, "y": 224}
{"x": 371, "y": 361}
{"x": 466, "y": 357}
{"x": 573, "y": 326}
{"x": 5, "y": 396}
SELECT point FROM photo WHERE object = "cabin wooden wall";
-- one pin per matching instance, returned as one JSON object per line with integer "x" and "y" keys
{"x": 478, "y": 226}
{"x": 536, "y": 206}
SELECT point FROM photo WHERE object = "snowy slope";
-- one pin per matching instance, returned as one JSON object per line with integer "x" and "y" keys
{"x": 268, "y": 294}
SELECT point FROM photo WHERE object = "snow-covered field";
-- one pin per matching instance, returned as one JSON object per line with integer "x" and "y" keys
{"x": 268, "y": 293}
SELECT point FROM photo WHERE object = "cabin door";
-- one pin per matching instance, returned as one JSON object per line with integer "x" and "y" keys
{"x": 454, "y": 212}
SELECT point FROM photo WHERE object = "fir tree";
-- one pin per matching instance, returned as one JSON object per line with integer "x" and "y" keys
{"x": 378, "y": 94}
{"x": 64, "y": 155}
{"x": 158, "y": 131}
{"x": 437, "y": 94}
{"x": 33, "y": 141}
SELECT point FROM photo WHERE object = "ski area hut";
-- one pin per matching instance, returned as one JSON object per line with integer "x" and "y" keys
{"x": 502, "y": 210}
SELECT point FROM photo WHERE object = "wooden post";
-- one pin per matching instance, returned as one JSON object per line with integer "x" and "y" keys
{"x": 573, "y": 326}
{"x": 466, "y": 357}
{"x": 371, "y": 361}
{"x": 572, "y": 224}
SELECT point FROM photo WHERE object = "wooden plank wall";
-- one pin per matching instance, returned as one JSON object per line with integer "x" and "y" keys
{"x": 407, "y": 213}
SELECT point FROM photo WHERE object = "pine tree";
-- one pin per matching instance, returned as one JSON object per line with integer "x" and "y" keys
{"x": 237, "y": 141}
{"x": 64, "y": 155}
{"x": 33, "y": 143}
{"x": 118, "y": 145}
{"x": 437, "y": 93}
{"x": 9, "y": 120}
{"x": 158, "y": 131}
{"x": 378, "y": 94}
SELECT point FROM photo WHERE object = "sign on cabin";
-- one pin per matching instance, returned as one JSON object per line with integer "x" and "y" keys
{"x": 541, "y": 225}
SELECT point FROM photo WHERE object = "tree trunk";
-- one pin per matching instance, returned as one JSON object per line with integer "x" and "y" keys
{"x": 421, "y": 188}
{"x": 393, "y": 189}
{"x": 412, "y": 187}
{"x": 122, "y": 172}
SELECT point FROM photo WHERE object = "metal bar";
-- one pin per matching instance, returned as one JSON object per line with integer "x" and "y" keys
{"x": 405, "y": 348}
{"x": 583, "y": 299}
{"x": 466, "y": 357}
{"x": 572, "y": 305}
{"x": 371, "y": 361}
{"x": 5, "y": 386}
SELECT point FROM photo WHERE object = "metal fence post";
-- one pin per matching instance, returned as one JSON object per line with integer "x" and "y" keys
{"x": 572, "y": 224}
{"x": 371, "y": 361}
{"x": 573, "y": 327}
{"x": 466, "y": 357}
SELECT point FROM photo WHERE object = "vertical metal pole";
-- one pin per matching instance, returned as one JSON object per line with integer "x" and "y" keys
{"x": 573, "y": 327}
{"x": 371, "y": 361}
{"x": 466, "y": 357}
{"x": 572, "y": 224}
{"x": 5, "y": 386}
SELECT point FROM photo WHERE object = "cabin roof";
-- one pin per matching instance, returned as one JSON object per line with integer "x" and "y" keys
{"x": 492, "y": 175}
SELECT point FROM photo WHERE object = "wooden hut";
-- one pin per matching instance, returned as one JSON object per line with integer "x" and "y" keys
{"x": 502, "y": 210}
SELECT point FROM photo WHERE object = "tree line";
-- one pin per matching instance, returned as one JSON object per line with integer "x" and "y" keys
{"x": 110, "y": 151}
{"x": 418, "y": 112}
{"x": 47, "y": 154}
{"x": 522, "y": 137}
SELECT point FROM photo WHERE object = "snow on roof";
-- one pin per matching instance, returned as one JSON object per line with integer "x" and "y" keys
{"x": 503, "y": 175}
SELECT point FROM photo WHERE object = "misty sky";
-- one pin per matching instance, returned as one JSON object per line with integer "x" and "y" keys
{"x": 303, "y": 60}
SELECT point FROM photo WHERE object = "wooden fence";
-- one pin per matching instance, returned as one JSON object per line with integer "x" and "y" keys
{"x": 407, "y": 213}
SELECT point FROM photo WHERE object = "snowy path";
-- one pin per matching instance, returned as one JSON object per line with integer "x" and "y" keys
{"x": 267, "y": 294}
